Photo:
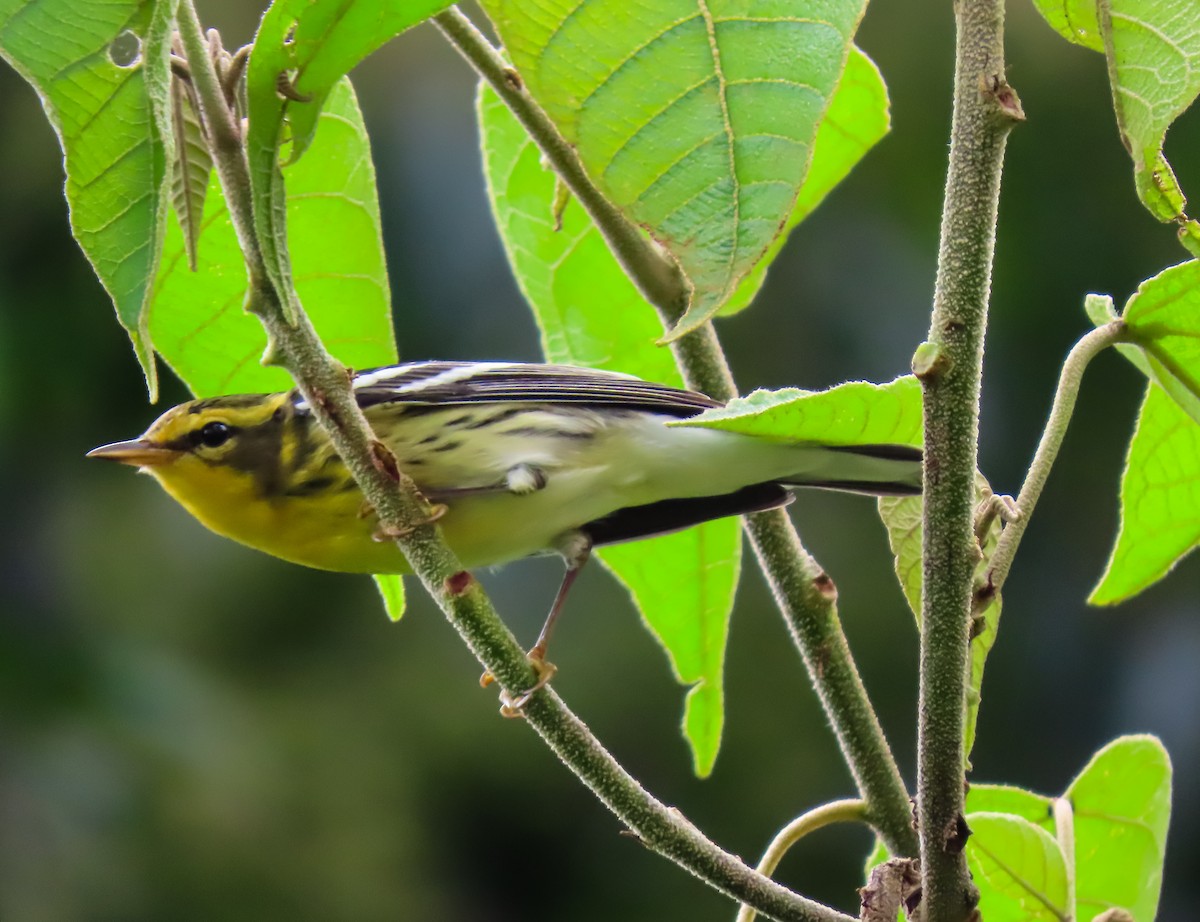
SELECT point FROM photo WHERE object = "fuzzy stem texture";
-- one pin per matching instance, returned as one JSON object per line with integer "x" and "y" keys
{"x": 1067, "y": 393}
{"x": 404, "y": 514}
{"x": 801, "y": 587}
{"x": 837, "y": 811}
{"x": 949, "y": 366}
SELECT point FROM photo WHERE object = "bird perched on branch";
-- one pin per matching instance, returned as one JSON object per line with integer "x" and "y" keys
{"x": 527, "y": 459}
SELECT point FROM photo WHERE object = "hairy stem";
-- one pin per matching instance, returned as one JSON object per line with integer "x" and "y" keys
{"x": 838, "y": 811}
{"x": 808, "y": 599}
{"x": 949, "y": 366}
{"x": 1069, "y": 379}
{"x": 799, "y": 583}
{"x": 404, "y": 514}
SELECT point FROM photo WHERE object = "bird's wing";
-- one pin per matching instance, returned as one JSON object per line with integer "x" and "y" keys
{"x": 442, "y": 383}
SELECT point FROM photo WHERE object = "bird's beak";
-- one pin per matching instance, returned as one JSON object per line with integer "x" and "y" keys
{"x": 137, "y": 452}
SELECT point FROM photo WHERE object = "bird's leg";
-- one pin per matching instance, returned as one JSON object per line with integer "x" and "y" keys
{"x": 576, "y": 548}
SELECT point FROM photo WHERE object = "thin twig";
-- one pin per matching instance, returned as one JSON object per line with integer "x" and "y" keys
{"x": 838, "y": 811}
{"x": 800, "y": 585}
{"x": 404, "y": 514}
{"x": 1078, "y": 359}
{"x": 949, "y": 366}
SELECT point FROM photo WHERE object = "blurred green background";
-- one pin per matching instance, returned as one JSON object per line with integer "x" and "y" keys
{"x": 191, "y": 730}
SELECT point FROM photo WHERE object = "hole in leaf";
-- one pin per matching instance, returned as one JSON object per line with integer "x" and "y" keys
{"x": 126, "y": 49}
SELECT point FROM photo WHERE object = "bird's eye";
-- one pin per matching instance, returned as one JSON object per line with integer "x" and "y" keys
{"x": 213, "y": 435}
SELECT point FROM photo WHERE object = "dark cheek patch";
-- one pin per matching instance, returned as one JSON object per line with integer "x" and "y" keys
{"x": 310, "y": 486}
{"x": 258, "y": 451}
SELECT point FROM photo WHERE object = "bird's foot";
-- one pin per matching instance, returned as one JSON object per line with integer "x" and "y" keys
{"x": 513, "y": 705}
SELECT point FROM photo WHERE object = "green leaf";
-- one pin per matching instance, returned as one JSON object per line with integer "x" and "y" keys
{"x": 1122, "y": 806}
{"x": 1153, "y": 52}
{"x": 1160, "y": 500}
{"x": 316, "y": 43}
{"x": 856, "y": 413}
{"x": 309, "y": 45}
{"x": 193, "y": 166}
{"x": 589, "y": 313}
{"x": 683, "y": 584}
{"x": 1100, "y": 311}
{"x": 697, "y": 120}
{"x": 197, "y": 319}
{"x": 1160, "y": 488}
{"x": 114, "y": 127}
{"x": 982, "y": 800}
{"x": 1164, "y": 317}
{"x": 1019, "y": 868}
{"x": 1003, "y": 798}
{"x": 1074, "y": 20}
{"x": 901, "y": 516}
{"x": 857, "y": 119}
{"x": 391, "y": 590}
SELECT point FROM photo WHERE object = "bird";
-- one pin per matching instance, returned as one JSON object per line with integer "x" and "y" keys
{"x": 521, "y": 459}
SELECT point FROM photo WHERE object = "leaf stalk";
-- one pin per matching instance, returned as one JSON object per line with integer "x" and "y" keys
{"x": 1065, "y": 396}
{"x": 837, "y": 811}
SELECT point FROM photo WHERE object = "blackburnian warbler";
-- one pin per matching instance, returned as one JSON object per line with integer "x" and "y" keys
{"x": 527, "y": 459}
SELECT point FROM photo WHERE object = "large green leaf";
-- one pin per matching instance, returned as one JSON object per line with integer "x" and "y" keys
{"x": 1153, "y": 53}
{"x": 696, "y": 118}
{"x": 1122, "y": 807}
{"x": 101, "y": 70}
{"x": 589, "y": 313}
{"x": 1161, "y": 485}
{"x": 857, "y": 119}
{"x": 683, "y": 584}
{"x": 197, "y": 319}
{"x": 856, "y": 413}
{"x": 901, "y": 517}
{"x": 1160, "y": 500}
{"x": 305, "y": 46}
{"x": 1160, "y": 488}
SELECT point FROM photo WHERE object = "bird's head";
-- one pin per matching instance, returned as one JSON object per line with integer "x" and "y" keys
{"x": 212, "y": 450}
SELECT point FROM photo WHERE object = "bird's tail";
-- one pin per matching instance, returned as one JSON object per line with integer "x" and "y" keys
{"x": 880, "y": 470}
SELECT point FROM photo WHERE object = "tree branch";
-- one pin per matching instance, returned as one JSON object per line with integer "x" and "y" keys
{"x": 949, "y": 366}
{"x": 404, "y": 514}
{"x": 801, "y": 587}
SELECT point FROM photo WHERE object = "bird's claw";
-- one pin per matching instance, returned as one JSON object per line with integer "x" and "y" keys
{"x": 513, "y": 705}
{"x": 436, "y": 511}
